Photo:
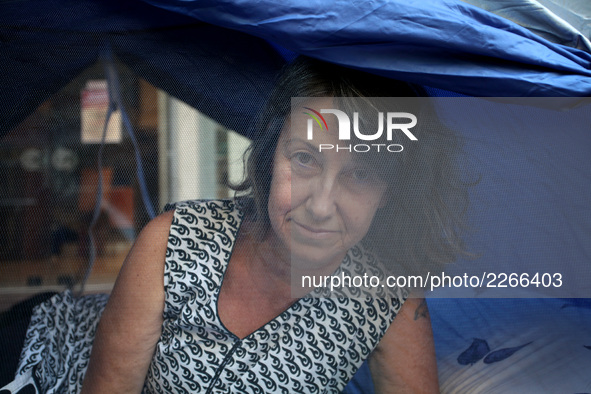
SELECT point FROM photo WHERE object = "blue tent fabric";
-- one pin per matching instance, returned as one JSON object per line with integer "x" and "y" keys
{"x": 446, "y": 44}
{"x": 555, "y": 21}
{"x": 512, "y": 345}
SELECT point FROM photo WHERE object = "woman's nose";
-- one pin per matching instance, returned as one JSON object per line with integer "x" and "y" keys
{"x": 321, "y": 203}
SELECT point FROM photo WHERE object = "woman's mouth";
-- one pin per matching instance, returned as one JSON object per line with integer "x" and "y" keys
{"x": 316, "y": 232}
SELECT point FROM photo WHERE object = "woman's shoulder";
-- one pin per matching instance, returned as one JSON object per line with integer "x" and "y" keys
{"x": 206, "y": 214}
{"x": 156, "y": 231}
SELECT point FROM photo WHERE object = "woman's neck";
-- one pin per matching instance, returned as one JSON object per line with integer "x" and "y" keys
{"x": 272, "y": 260}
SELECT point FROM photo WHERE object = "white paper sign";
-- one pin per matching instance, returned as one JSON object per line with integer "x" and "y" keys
{"x": 94, "y": 107}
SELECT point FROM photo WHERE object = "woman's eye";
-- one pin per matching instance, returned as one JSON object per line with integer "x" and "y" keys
{"x": 361, "y": 174}
{"x": 303, "y": 158}
{"x": 362, "y": 179}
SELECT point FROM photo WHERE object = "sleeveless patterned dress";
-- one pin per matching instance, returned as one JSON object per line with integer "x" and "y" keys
{"x": 314, "y": 346}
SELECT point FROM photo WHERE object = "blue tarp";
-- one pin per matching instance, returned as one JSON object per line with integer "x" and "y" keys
{"x": 446, "y": 44}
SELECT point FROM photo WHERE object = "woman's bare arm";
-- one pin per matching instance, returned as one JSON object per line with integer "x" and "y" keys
{"x": 404, "y": 361}
{"x": 132, "y": 321}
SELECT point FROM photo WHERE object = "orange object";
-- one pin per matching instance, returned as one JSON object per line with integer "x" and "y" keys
{"x": 89, "y": 178}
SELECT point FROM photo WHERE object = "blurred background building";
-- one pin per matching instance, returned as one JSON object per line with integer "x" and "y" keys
{"x": 49, "y": 178}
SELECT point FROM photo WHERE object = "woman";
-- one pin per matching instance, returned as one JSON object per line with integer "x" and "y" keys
{"x": 211, "y": 297}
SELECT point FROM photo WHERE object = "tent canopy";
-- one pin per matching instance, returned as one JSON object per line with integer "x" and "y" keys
{"x": 221, "y": 56}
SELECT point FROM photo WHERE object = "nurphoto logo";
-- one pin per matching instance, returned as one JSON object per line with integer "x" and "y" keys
{"x": 395, "y": 122}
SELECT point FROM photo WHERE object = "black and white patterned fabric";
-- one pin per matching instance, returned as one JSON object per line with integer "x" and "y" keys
{"x": 315, "y": 346}
{"x": 58, "y": 343}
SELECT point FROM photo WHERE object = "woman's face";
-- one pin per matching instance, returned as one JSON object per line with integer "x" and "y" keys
{"x": 320, "y": 203}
